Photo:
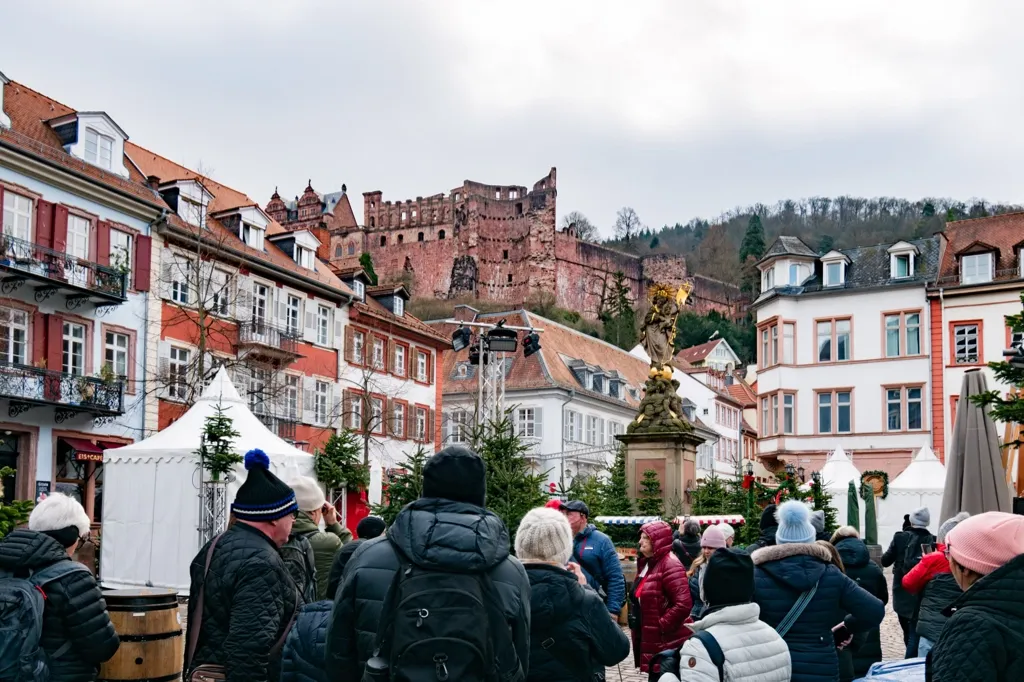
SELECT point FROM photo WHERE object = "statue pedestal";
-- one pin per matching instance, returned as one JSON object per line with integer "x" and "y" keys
{"x": 673, "y": 455}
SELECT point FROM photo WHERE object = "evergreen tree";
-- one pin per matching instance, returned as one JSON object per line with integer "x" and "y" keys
{"x": 366, "y": 261}
{"x": 589, "y": 490}
{"x": 650, "y": 502}
{"x": 615, "y": 501}
{"x": 13, "y": 513}
{"x": 618, "y": 316}
{"x": 341, "y": 463}
{"x": 512, "y": 487}
{"x": 1008, "y": 409}
{"x": 822, "y": 500}
{"x": 825, "y": 243}
{"x": 753, "y": 240}
{"x": 217, "y": 448}
{"x": 711, "y": 497}
{"x": 402, "y": 487}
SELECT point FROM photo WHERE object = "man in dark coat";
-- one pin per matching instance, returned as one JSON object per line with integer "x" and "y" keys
{"x": 686, "y": 545}
{"x": 595, "y": 553}
{"x": 447, "y": 529}
{"x": 249, "y": 599}
{"x": 866, "y": 647}
{"x": 768, "y": 527}
{"x": 74, "y": 612}
{"x": 904, "y": 603}
{"x": 369, "y": 528}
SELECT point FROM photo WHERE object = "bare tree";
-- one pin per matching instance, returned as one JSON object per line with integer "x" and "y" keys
{"x": 627, "y": 224}
{"x": 581, "y": 225}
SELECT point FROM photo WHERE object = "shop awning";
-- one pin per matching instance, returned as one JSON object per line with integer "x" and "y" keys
{"x": 87, "y": 451}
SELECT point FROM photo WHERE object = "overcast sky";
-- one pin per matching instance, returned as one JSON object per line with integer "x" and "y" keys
{"x": 679, "y": 109}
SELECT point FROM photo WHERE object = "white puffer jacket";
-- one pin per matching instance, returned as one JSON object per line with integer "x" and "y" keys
{"x": 754, "y": 652}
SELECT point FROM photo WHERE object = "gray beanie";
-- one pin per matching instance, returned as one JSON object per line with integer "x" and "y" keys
{"x": 920, "y": 518}
{"x": 950, "y": 524}
{"x": 818, "y": 521}
{"x": 544, "y": 535}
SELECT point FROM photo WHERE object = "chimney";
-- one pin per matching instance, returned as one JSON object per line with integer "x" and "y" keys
{"x": 153, "y": 181}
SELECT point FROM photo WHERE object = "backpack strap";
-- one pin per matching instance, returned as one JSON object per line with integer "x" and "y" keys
{"x": 196, "y": 626}
{"x": 797, "y": 610}
{"x": 714, "y": 650}
{"x": 558, "y": 643}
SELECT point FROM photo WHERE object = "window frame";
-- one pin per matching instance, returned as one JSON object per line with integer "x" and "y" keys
{"x": 401, "y": 369}
{"x": 323, "y": 325}
{"x": 902, "y": 330}
{"x": 898, "y": 258}
{"x": 99, "y": 147}
{"x": 840, "y": 279}
{"x": 26, "y": 339}
{"x": 975, "y": 257}
{"x": 768, "y": 279}
{"x": 399, "y": 306}
{"x": 28, "y": 219}
{"x": 833, "y": 323}
{"x": 321, "y": 400}
{"x": 526, "y": 417}
{"x": 834, "y": 405}
{"x": 178, "y": 379}
{"x": 422, "y": 358}
{"x": 904, "y": 401}
{"x": 979, "y": 338}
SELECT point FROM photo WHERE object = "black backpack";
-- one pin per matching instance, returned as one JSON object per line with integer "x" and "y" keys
{"x": 300, "y": 561}
{"x": 441, "y": 627}
{"x": 912, "y": 555}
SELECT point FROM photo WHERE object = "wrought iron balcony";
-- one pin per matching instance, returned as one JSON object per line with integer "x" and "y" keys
{"x": 283, "y": 427}
{"x": 27, "y": 387}
{"x": 53, "y": 272}
{"x": 269, "y": 340}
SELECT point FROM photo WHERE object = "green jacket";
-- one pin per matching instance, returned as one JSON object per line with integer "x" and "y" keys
{"x": 325, "y": 545}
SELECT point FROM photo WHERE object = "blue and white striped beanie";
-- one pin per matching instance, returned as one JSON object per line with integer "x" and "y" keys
{"x": 263, "y": 496}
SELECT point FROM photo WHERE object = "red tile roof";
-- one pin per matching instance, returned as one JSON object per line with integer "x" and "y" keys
{"x": 742, "y": 393}
{"x": 695, "y": 354}
{"x": 378, "y": 311}
{"x": 1001, "y": 232}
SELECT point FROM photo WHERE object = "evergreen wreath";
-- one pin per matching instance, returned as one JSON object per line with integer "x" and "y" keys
{"x": 880, "y": 474}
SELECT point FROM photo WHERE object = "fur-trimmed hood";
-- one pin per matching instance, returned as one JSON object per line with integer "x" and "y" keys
{"x": 796, "y": 565}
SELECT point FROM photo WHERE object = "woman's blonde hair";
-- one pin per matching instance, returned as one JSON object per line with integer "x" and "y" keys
{"x": 844, "y": 532}
{"x": 837, "y": 561}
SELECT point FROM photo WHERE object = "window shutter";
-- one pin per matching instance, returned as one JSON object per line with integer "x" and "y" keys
{"x": 308, "y": 393}
{"x": 309, "y": 331}
{"x": 163, "y": 367}
{"x": 60, "y": 228}
{"x": 347, "y": 350}
{"x": 143, "y": 261}
{"x": 39, "y": 348}
{"x": 243, "y": 301}
{"x": 103, "y": 242}
{"x": 429, "y": 430}
{"x": 44, "y": 223}
{"x": 538, "y": 422}
{"x": 389, "y": 361}
{"x": 167, "y": 272}
{"x": 430, "y": 368}
{"x": 282, "y": 309}
{"x": 339, "y": 326}
{"x": 54, "y": 343}
{"x": 347, "y": 408}
{"x": 446, "y": 426}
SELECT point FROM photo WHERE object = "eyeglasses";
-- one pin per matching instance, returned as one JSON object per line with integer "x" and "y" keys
{"x": 945, "y": 551}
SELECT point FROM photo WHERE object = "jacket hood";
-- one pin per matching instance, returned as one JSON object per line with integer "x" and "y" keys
{"x": 304, "y": 524}
{"x": 767, "y": 536}
{"x": 1001, "y": 592}
{"x": 587, "y": 531}
{"x": 552, "y": 592}
{"x": 737, "y": 614}
{"x": 853, "y": 552}
{"x": 660, "y": 534}
{"x": 27, "y": 549}
{"x": 442, "y": 534}
{"x": 797, "y": 565}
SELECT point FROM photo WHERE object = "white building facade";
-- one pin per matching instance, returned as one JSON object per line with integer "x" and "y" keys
{"x": 843, "y": 354}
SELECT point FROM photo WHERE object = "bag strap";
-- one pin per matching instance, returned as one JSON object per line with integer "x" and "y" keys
{"x": 714, "y": 650}
{"x": 197, "y": 624}
{"x": 279, "y": 645}
{"x": 797, "y": 610}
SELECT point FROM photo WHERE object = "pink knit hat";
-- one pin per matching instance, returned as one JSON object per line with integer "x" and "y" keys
{"x": 714, "y": 538}
{"x": 985, "y": 542}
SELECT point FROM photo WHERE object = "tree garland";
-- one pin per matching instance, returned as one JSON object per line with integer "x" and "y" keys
{"x": 864, "y": 478}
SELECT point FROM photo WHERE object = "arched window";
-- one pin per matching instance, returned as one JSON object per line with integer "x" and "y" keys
{"x": 383, "y": 241}
{"x": 337, "y": 251}
{"x": 440, "y": 234}
{"x": 401, "y": 238}
{"x": 419, "y": 237}
{"x": 351, "y": 249}
{"x": 373, "y": 222}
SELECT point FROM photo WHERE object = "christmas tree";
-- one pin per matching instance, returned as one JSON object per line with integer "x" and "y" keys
{"x": 1009, "y": 409}
{"x": 217, "y": 449}
{"x": 15, "y": 512}
{"x": 587, "y": 489}
{"x": 512, "y": 487}
{"x": 341, "y": 463}
{"x": 650, "y": 502}
{"x": 615, "y": 500}
{"x": 711, "y": 497}
{"x": 822, "y": 499}
{"x": 403, "y": 486}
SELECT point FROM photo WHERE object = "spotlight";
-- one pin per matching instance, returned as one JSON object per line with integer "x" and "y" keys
{"x": 460, "y": 338}
{"x": 531, "y": 344}
{"x": 750, "y": 469}
{"x": 501, "y": 340}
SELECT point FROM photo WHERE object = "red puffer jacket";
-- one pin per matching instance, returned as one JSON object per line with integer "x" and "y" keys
{"x": 664, "y": 598}
{"x": 930, "y": 566}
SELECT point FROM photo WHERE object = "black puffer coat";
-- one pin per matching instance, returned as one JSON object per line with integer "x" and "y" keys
{"x": 249, "y": 601}
{"x": 338, "y": 566}
{"x": 435, "y": 534}
{"x": 983, "y": 641}
{"x": 304, "y": 656}
{"x": 765, "y": 539}
{"x": 585, "y": 635}
{"x": 781, "y": 574}
{"x": 940, "y": 592}
{"x": 903, "y": 603}
{"x": 866, "y": 648}
{"x": 74, "y": 608}
{"x": 686, "y": 548}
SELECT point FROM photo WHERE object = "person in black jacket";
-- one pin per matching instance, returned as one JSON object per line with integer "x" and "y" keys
{"x": 570, "y": 629}
{"x": 818, "y": 522}
{"x": 768, "y": 528}
{"x": 74, "y": 611}
{"x": 249, "y": 599}
{"x": 866, "y": 647}
{"x": 447, "y": 529}
{"x": 904, "y": 603}
{"x": 369, "y": 528}
{"x": 686, "y": 545}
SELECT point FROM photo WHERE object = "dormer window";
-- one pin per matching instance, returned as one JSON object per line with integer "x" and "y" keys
{"x": 399, "y": 306}
{"x": 794, "y": 274}
{"x": 99, "y": 149}
{"x": 976, "y": 268}
{"x": 833, "y": 274}
{"x": 252, "y": 236}
{"x": 192, "y": 212}
{"x": 768, "y": 280}
{"x": 304, "y": 257}
{"x": 902, "y": 265}
{"x": 597, "y": 383}
{"x": 359, "y": 289}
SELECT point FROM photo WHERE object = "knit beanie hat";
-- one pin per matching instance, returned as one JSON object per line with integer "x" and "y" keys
{"x": 985, "y": 542}
{"x": 308, "y": 494}
{"x": 728, "y": 579}
{"x": 263, "y": 496}
{"x": 727, "y": 531}
{"x": 554, "y": 503}
{"x": 61, "y": 517}
{"x": 950, "y": 524}
{"x": 713, "y": 538}
{"x": 920, "y": 518}
{"x": 818, "y": 521}
{"x": 768, "y": 517}
{"x": 370, "y": 527}
{"x": 544, "y": 535}
{"x": 457, "y": 474}
{"x": 794, "y": 519}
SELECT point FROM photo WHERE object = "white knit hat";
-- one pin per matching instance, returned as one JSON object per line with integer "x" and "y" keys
{"x": 544, "y": 535}
{"x": 308, "y": 494}
{"x": 57, "y": 512}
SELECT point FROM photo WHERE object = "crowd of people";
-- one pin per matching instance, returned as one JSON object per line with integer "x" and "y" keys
{"x": 286, "y": 593}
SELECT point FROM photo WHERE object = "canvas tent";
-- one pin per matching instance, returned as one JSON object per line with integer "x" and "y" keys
{"x": 920, "y": 485}
{"x": 835, "y": 477}
{"x": 151, "y": 494}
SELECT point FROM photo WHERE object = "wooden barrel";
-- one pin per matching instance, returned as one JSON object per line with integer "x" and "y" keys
{"x": 149, "y": 625}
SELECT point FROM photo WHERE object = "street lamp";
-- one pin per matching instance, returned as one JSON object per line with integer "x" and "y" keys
{"x": 790, "y": 470}
{"x": 816, "y": 477}
{"x": 750, "y": 469}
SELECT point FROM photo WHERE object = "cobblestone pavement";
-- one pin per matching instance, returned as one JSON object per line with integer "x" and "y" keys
{"x": 892, "y": 645}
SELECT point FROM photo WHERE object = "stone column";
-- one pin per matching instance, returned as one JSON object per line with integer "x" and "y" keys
{"x": 673, "y": 455}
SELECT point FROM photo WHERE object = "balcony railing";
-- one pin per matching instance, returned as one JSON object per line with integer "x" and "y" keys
{"x": 275, "y": 341}
{"x": 284, "y": 427}
{"x": 1006, "y": 275}
{"x": 81, "y": 280}
{"x": 27, "y": 387}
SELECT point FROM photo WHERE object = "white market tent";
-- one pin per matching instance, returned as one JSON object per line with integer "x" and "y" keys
{"x": 151, "y": 491}
{"x": 836, "y": 476}
{"x": 920, "y": 485}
